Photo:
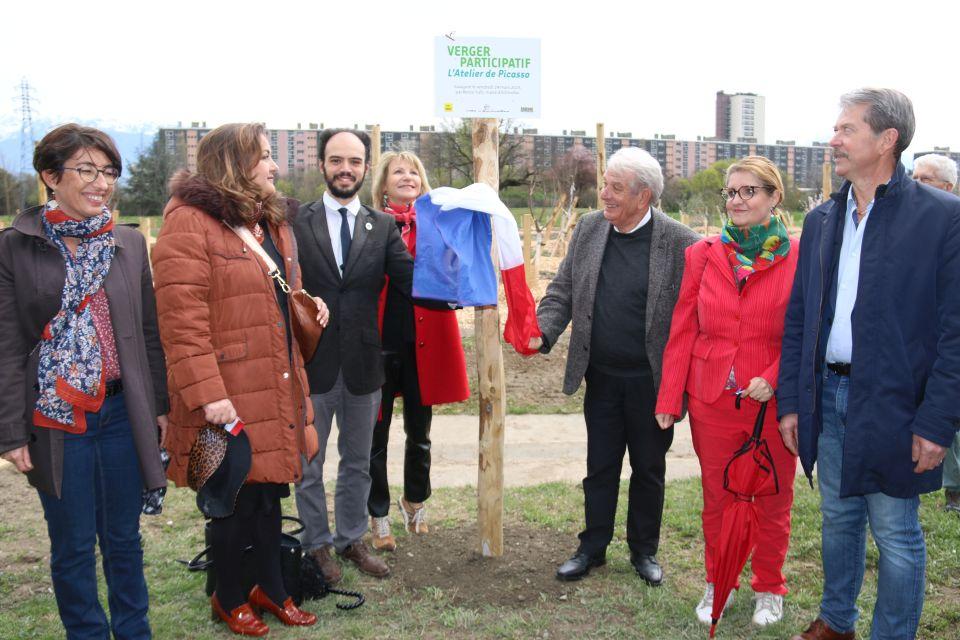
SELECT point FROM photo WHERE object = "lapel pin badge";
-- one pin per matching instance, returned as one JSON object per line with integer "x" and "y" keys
{"x": 368, "y": 226}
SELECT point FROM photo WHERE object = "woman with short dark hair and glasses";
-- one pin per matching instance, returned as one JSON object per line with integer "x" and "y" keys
{"x": 724, "y": 342}
{"x": 85, "y": 397}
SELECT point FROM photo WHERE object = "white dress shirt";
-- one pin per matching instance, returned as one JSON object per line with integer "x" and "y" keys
{"x": 642, "y": 222}
{"x": 334, "y": 221}
{"x": 840, "y": 342}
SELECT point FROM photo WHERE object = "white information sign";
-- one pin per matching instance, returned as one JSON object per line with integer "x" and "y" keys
{"x": 487, "y": 77}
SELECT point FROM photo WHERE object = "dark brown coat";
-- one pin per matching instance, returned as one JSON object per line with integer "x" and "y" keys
{"x": 31, "y": 281}
{"x": 224, "y": 334}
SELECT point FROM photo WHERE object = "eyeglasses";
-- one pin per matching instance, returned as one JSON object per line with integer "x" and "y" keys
{"x": 90, "y": 173}
{"x": 745, "y": 192}
{"x": 930, "y": 180}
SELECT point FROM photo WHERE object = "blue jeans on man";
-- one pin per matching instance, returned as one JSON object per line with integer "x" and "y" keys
{"x": 101, "y": 499}
{"x": 895, "y": 527}
{"x": 951, "y": 467}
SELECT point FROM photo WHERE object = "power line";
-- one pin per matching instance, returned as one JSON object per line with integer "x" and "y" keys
{"x": 26, "y": 135}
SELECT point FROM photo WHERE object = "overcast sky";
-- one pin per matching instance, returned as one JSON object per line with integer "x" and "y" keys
{"x": 634, "y": 67}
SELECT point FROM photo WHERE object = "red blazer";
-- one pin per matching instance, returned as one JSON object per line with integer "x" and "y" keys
{"x": 714, "y": 328}
{"x": 441, "y": 364}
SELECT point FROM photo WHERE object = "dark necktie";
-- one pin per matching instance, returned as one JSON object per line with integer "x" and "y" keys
{"x": 344, "y": 238}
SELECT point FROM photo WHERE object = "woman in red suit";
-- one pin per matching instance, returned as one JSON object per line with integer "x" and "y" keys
{"x": 725, "y": 339}
{"x": 423, "y": 357}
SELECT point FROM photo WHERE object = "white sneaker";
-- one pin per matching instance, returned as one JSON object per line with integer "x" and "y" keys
{"x": 705, "y": 608}
{"x": 769, "y": 609}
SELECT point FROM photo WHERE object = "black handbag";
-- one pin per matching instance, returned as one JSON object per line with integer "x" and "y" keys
{"x": 301, "y": 579}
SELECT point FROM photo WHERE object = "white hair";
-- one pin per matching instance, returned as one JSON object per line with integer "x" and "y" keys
{"x": 944, "y": 167}
{"x": 644, "y": 167}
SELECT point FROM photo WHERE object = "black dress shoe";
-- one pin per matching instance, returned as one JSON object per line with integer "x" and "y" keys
{"x": 579, "y": 566}
{"x": 648, "y": 569}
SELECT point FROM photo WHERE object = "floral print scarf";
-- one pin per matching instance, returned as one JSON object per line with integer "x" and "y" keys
{"x": 70, "y": 375}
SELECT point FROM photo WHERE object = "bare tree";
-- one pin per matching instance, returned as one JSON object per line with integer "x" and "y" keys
{"x": 449, "y": 156}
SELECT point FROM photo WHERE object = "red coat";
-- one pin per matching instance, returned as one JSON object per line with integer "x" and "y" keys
{"x": 714, "y": 328}
{"x": 441, "y": 365}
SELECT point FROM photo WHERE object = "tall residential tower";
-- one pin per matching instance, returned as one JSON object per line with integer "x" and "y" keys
{"x": 740, "y": 117}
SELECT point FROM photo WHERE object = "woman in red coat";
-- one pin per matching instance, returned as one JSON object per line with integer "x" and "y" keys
{"x": 725, "y": 339}
{"x": 423, "y": 357}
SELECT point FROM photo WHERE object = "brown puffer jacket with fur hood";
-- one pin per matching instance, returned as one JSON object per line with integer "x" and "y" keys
{"x": 224, "y": 335}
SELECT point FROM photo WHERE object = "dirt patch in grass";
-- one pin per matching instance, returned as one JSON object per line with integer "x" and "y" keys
{"x": 445, "y": 564}
{"x": 26, "y": 555}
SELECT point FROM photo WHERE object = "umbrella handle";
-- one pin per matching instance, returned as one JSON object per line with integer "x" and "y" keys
{"x": 758, "y": 424}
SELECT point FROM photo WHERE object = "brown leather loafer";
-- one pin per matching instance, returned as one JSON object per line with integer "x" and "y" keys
{"x": 242, "y": 620}
{"x": 289, "y": 614}
{"x": 328, "y": 565}
{"x": 358, "y": 554}
{"x": 820, "y": 630}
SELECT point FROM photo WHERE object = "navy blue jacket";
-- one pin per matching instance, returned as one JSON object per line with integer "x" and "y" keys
{"x": 905, "y": 374}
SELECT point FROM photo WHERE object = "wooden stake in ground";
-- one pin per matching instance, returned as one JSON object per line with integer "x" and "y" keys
{"x": 529, "y": 265}
{"x": 601, "y": 160}
{"x": 375, "y": 149}
{"x": 493, "y": 403}
{"x": 146, "y": 228}
{"x": 827, "y": 184}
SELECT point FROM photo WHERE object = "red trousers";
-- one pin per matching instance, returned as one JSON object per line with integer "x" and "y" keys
{"x": 718, "y": 430}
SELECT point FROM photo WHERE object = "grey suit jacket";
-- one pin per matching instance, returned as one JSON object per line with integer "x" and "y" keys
{"x": 571, "y": 295}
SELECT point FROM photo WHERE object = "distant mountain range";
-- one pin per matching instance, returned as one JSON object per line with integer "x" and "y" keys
{"x": 131, "y": 139}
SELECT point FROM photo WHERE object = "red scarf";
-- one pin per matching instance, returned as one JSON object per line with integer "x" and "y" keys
{"x": 406, "y": 216}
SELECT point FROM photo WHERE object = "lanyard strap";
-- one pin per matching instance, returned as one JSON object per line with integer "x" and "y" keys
{"x": 251, "y": 242}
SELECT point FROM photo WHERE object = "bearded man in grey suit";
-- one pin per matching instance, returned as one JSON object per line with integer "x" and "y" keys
{"x": 618, "y": 284}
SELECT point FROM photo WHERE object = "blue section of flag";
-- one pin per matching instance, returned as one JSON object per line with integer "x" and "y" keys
{"x": 453, "y": 260}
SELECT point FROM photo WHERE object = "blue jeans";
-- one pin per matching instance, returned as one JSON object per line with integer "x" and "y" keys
{"x": 951, "y": 467}
{"x": 895, "y": 528}
{"x": 100, "y": 499}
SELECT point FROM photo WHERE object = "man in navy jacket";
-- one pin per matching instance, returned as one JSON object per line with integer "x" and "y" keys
{"x": 870, "y": 372}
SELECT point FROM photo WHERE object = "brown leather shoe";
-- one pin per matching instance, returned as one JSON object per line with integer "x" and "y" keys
{"x": 380, "y": 535}
{"x": 289, "y": 614}
{"x": 358, "y": 554}
{"x": 242, "y": 620}
{"x": 328, "y": 566}
{"x": 820, "y": 630}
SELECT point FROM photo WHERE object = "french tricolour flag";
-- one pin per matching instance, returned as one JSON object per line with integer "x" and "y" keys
{"x": 453, "y": 260}
{"x": 235, "y": 427}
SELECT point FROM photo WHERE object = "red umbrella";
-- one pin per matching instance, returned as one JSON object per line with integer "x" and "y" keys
{"x": 750, "y": 473}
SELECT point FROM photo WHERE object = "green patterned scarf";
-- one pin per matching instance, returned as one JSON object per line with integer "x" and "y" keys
{"x": 756, "y": 248}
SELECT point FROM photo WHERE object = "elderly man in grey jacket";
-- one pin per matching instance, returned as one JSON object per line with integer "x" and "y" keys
{"x": 618, "y": 284}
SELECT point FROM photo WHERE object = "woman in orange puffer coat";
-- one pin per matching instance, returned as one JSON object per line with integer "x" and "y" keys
{"x": 225, "y": 329}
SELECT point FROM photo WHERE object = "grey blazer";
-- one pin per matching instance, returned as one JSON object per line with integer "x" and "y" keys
{"x": 571, "y": 295}
{"x": 31, "y": 280}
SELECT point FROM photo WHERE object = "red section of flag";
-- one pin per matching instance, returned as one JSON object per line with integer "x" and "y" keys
{"x": 234, "y": 427}
{"x": 521, "y": 323}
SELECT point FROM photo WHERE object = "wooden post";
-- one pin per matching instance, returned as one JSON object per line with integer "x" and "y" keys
{"x": 146, "y": 224}
{"x": 375, "y": 147}
{"x": 493, "y": 403}
{"x": 601, "y": 160}
{"x": 529, "y": 268}
{"x": 827, "y": 184}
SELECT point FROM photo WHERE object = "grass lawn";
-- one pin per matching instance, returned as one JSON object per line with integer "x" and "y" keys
{"x": 483, "y": 598}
